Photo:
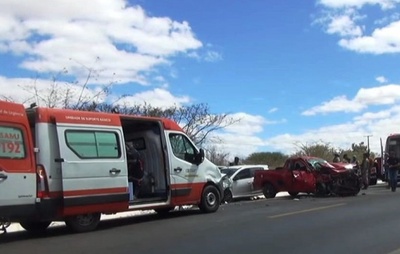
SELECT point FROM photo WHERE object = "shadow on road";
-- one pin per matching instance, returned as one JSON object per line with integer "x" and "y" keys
{"x": 62, "y": 230}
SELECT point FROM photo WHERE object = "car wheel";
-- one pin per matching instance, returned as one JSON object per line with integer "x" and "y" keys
{"x": 210, "y": 199}
{"x": 35, "y": 227}
{"x": 293, "y": 194}
{"x": 83, "y": 223}
{"x": 228, "y": 196}
{"x": 269, "y": 191}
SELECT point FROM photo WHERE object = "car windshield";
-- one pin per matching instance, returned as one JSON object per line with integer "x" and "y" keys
{"x": 229, "y": 171}
{"x": 314, "y": 162}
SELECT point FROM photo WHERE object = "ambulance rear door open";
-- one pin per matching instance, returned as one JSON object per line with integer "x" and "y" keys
{"x": 94, "y": 169}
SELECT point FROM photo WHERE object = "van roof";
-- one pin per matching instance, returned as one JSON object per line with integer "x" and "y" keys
{"x": 48, "y": 115}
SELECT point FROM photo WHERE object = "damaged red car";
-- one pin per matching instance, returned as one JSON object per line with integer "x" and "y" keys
{"x": 309, "y": 175}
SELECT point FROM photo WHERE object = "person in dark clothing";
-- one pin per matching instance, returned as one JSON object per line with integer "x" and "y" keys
{"x": 346, "y": 158}
{"x": 135, "y": 168}
{"x": 336, "y": 158}
{"x": 365, "y": 170}
{"x": 393, "y": 166}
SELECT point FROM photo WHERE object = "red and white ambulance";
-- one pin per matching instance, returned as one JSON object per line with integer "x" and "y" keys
{"x": 72, "y": 166}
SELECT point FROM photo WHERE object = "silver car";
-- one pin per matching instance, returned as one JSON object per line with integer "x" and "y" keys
{"x": 239, "y": 181}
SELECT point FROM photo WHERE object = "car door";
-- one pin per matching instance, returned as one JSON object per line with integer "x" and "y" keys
{"x": 187, "y": 183}
{"x": 303, "y": 179}
{"x": 242, "y": 184}
{"x": 17, "y": 165}
{"x": 94, "y": 167}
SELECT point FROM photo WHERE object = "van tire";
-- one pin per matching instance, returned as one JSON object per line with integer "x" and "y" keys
{"x": 83, "y": 222}
{"x": 210, "y": 199}
{"x": 35, "y": 227}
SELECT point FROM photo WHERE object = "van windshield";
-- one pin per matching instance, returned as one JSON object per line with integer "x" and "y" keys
{"x": 11, "y": 143}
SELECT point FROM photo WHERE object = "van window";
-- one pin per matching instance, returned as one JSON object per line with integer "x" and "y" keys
{"x": 182, "y": 147}
{"x": 12, "y": 144}
{"x": 93, "y": 144}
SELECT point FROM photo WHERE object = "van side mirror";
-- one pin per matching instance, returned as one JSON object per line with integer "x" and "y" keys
{"x": 199, "y": 157}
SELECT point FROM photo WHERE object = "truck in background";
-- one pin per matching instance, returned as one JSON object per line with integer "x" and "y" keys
{"x": 72, "y": 166}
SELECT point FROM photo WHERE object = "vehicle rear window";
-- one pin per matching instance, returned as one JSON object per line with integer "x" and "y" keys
{"x": 12, "y": 144}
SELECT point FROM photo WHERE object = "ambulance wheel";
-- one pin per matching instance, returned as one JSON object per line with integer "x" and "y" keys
{"x": 210, "y": 199}
{"x": 35, "y": 227}
{"x": 83, "y": 223}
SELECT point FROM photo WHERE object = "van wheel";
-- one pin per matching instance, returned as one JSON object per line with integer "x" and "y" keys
{"x": 35, "y": 227}
{"x": 269, "y": 191}
{"x": 83, "y": 223}
{"x": 210, "y": 199}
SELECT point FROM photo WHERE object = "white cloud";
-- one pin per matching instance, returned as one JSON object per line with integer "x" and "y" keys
{"x": 213, "y": 56}
{"x": 381, "y": 79}
{"x": 156, "y": 98}
{"x": 344, "y": 18}
{"x": 384, "y": 4}
{"x": 382, "y": 95}
{"x": 249, "y": 124}
{"x": 337, "y": 104}
{"x": 126, "y": 39}
{"x": 377, "y": 124}
{"x": 272, "y": 110}
{"x": 382, "y": 40}
{"x": 344, "y": 25}
{"x": 387, "y": 94}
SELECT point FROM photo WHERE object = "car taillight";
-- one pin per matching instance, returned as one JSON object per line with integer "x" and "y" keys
{"x": 42, "y": 185}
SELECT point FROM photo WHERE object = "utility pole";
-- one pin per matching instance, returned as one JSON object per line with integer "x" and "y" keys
{"x": 368, "y": 141}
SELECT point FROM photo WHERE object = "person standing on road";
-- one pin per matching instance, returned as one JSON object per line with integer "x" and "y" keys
{"x": 393, "y": 166}
{"x": 336, "y": 158}
{"x": 365, "y": 170}
{"x": 346, "y": 158}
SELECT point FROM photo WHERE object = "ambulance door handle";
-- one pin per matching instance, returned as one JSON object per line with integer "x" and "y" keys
{"x": 3, "y": 176}
{"x": 178, "y": 169}
{"x": 115, "y": 171}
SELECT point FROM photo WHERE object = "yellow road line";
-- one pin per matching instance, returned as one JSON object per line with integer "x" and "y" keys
{"x": 305, "y": 211}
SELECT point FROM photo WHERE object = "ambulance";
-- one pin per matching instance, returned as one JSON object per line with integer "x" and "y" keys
{"x": 72, "y": 166}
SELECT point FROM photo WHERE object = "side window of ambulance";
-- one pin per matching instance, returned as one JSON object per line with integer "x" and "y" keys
{"x": 93, "y": 144}
{"x": 11, "y": 143}
{"x": 181, "y": 147}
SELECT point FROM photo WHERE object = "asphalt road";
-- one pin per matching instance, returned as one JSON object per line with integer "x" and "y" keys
{"x": 367, "y": 223}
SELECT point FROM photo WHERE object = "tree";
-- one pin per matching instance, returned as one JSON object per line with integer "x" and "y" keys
{"x": 272, "y": 159}
{"x": 62, "y": 94}
{"x": 196, "y": 120}
{"x": 318, "y": 149}
{"x": 217, "y": 157}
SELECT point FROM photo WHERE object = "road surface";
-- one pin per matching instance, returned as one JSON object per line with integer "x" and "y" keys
{"x": 367, "y": 223}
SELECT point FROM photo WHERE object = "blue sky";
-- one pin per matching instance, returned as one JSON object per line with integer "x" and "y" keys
{"x": 294, "y": 72}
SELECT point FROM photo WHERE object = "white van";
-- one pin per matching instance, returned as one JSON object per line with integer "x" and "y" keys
{"x": 72, "y": 166}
